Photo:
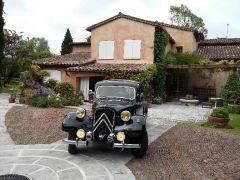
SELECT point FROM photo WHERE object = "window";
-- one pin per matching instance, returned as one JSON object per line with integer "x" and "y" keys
{"x": 132, "y": 49}
{"x": 54, "y": 74}
{"x": 106, "y": 50}
{"x": 179, "y": 49}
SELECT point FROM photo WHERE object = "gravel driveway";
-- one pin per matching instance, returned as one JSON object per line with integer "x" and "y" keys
{"x": 51, "y": 161}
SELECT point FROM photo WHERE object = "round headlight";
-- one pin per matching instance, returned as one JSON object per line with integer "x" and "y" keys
{"x": 121, "y": 136}
{"x": 80, "y": 113}
{"x": 125, "y": 115}
{"x": 80, "y": 133}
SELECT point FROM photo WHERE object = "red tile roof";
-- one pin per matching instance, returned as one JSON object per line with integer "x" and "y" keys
{"x": 66, "y": 60}
{"x": 153, "y": 23}
{"x": 97, "y": 67}
{"x": 220, "y": 49}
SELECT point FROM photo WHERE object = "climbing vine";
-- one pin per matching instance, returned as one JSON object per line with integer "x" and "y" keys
{"x": 161, "y": 40}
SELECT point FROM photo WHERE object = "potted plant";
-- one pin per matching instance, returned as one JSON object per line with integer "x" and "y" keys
{"x": 12, "y": 97}
{"x": 149, "y": 100}
{"x": 219, "y": 116}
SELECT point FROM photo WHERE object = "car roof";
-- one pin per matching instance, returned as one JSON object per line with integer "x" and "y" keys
{"x": 118, "y": 82}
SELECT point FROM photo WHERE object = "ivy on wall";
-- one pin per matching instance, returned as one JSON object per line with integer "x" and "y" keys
{"x": 161, "y": 40}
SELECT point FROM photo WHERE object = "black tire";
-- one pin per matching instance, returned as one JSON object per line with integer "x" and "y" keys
{"x": 72, "y": 149}
{"x": 140, "y": 152}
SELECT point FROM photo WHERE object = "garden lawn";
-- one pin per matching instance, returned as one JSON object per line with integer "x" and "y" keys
{"x": 30, "y": 125}
{"x": 233, "y": 125}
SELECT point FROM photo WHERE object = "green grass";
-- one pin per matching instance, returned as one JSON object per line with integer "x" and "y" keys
{"x": 15, "y": 85}
{"x": 233, "y": 125}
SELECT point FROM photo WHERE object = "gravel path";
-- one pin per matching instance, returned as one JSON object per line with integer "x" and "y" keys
{"x": 190, "y": 152}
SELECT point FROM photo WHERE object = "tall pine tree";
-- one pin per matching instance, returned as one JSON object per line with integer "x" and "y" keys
{"x": 67, "y": 43}
{"x": 1, "y": 40}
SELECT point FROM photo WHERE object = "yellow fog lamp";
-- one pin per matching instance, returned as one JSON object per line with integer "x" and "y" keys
{"x": 80, "y": 113}
{"x": 121, "y": 136}
{"x": 81, "y": 133}
{"x": 125, "y": 116}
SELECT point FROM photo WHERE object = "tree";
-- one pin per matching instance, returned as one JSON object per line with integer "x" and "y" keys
{"x": 1, "y": 39}
{"x": 182, "y": 16}
{"x": 34, "y": 48}
{"x": 67, "y": 43}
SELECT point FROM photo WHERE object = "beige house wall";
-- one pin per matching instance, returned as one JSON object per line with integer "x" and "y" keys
{"x": 207, "y": 79}
{"x": 120, "y": 30}
{"x": 182, "y": 38}
{"x": 81, "y": 48}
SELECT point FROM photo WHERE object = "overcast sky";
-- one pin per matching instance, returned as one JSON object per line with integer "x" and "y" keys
{"x": 51, "y": 18}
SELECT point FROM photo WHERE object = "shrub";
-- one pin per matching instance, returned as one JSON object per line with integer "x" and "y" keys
{"x": 232, "y": 87}
{"x": 38, "y": 74}
{"x": 185, "y": 58}
{"x": 220, "y": 112}
{"x": 39, "y": 101}
{"x": 65, "y": 89}
{"x": 157, "y": 100}
{"x": 51, "y": 83}
{"x": 74, "y": 100}
{"x": 45, "y": 101}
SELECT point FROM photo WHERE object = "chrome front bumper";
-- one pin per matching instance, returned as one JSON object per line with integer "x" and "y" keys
{"x": 115, "y": 145}
{"x": 75, "y": 142}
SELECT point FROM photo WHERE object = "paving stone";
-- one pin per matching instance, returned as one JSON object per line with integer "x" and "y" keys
{"x": 5, "y": 169}
{"x": 44, "y": 174}
{"x": 73, "y": 174}
{"x": 39, "y": 152}
{"x": 25, "y": 169}
{"x": 17, "y": 160}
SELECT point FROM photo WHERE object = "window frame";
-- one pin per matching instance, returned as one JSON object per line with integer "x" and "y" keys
{"x": 179, "y": 48}
{"x": 133, "y": 41}
{"x": 106, "y": 56}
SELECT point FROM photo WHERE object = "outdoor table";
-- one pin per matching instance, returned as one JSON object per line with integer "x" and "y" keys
{"x": 215, "y": 100}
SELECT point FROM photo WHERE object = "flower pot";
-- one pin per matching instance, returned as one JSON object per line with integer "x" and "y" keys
{"x": 219, "y": 121}
{"x": 149, "y": 104}
{"x": 11, "y": 100}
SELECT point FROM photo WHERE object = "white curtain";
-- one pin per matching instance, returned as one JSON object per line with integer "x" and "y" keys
{"x": 84, "y": 87}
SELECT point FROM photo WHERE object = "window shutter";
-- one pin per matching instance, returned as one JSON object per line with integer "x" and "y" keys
{"x": 132, "y": 49}
{"x": 106, "y": 50}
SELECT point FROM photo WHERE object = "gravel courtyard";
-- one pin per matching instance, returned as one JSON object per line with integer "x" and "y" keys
{"x": 188, "y": 151}
{"x": 52, "y": 161}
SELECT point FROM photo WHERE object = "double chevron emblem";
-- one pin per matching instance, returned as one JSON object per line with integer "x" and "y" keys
{"x": 103, "y": 119}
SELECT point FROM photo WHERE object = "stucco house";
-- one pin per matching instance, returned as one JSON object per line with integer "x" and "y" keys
{"x": 122, "y": 43}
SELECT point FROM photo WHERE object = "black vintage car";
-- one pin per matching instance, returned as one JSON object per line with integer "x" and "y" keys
{"x": 118, "y": 118}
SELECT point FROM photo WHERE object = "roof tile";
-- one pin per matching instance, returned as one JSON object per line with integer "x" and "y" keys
{"x": 66, "y": 60}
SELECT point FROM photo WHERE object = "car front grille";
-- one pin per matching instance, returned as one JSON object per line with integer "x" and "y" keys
{"x": 104, "y": 120}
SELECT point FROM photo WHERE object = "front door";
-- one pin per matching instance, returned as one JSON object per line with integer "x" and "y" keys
{"x": 84, "y": 87}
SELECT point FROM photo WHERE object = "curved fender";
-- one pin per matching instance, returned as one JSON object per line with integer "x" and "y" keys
{"x": 71, "y": 122}
{"x": 139, "y": 124}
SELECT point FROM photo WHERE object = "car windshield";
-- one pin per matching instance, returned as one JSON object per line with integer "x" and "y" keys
{"x": 125, "y": 92}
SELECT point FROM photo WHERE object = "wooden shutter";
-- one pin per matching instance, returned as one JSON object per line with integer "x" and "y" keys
{"x": 132, "y": 49}
{"x": 106, "y": 50}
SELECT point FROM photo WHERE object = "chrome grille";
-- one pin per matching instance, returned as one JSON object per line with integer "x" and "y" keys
{"x": 104, "y": 119}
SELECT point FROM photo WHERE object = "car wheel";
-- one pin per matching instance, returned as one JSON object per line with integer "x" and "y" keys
{"x": 140, "y": 152}
{"x": 72, "y": 149}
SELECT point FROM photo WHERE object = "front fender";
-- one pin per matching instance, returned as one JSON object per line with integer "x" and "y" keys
{"x": 138, "y": 124}
{"x": 71, "y": 123}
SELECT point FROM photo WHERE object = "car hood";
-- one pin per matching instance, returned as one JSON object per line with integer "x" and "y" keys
{"x": 116, "y": 105}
